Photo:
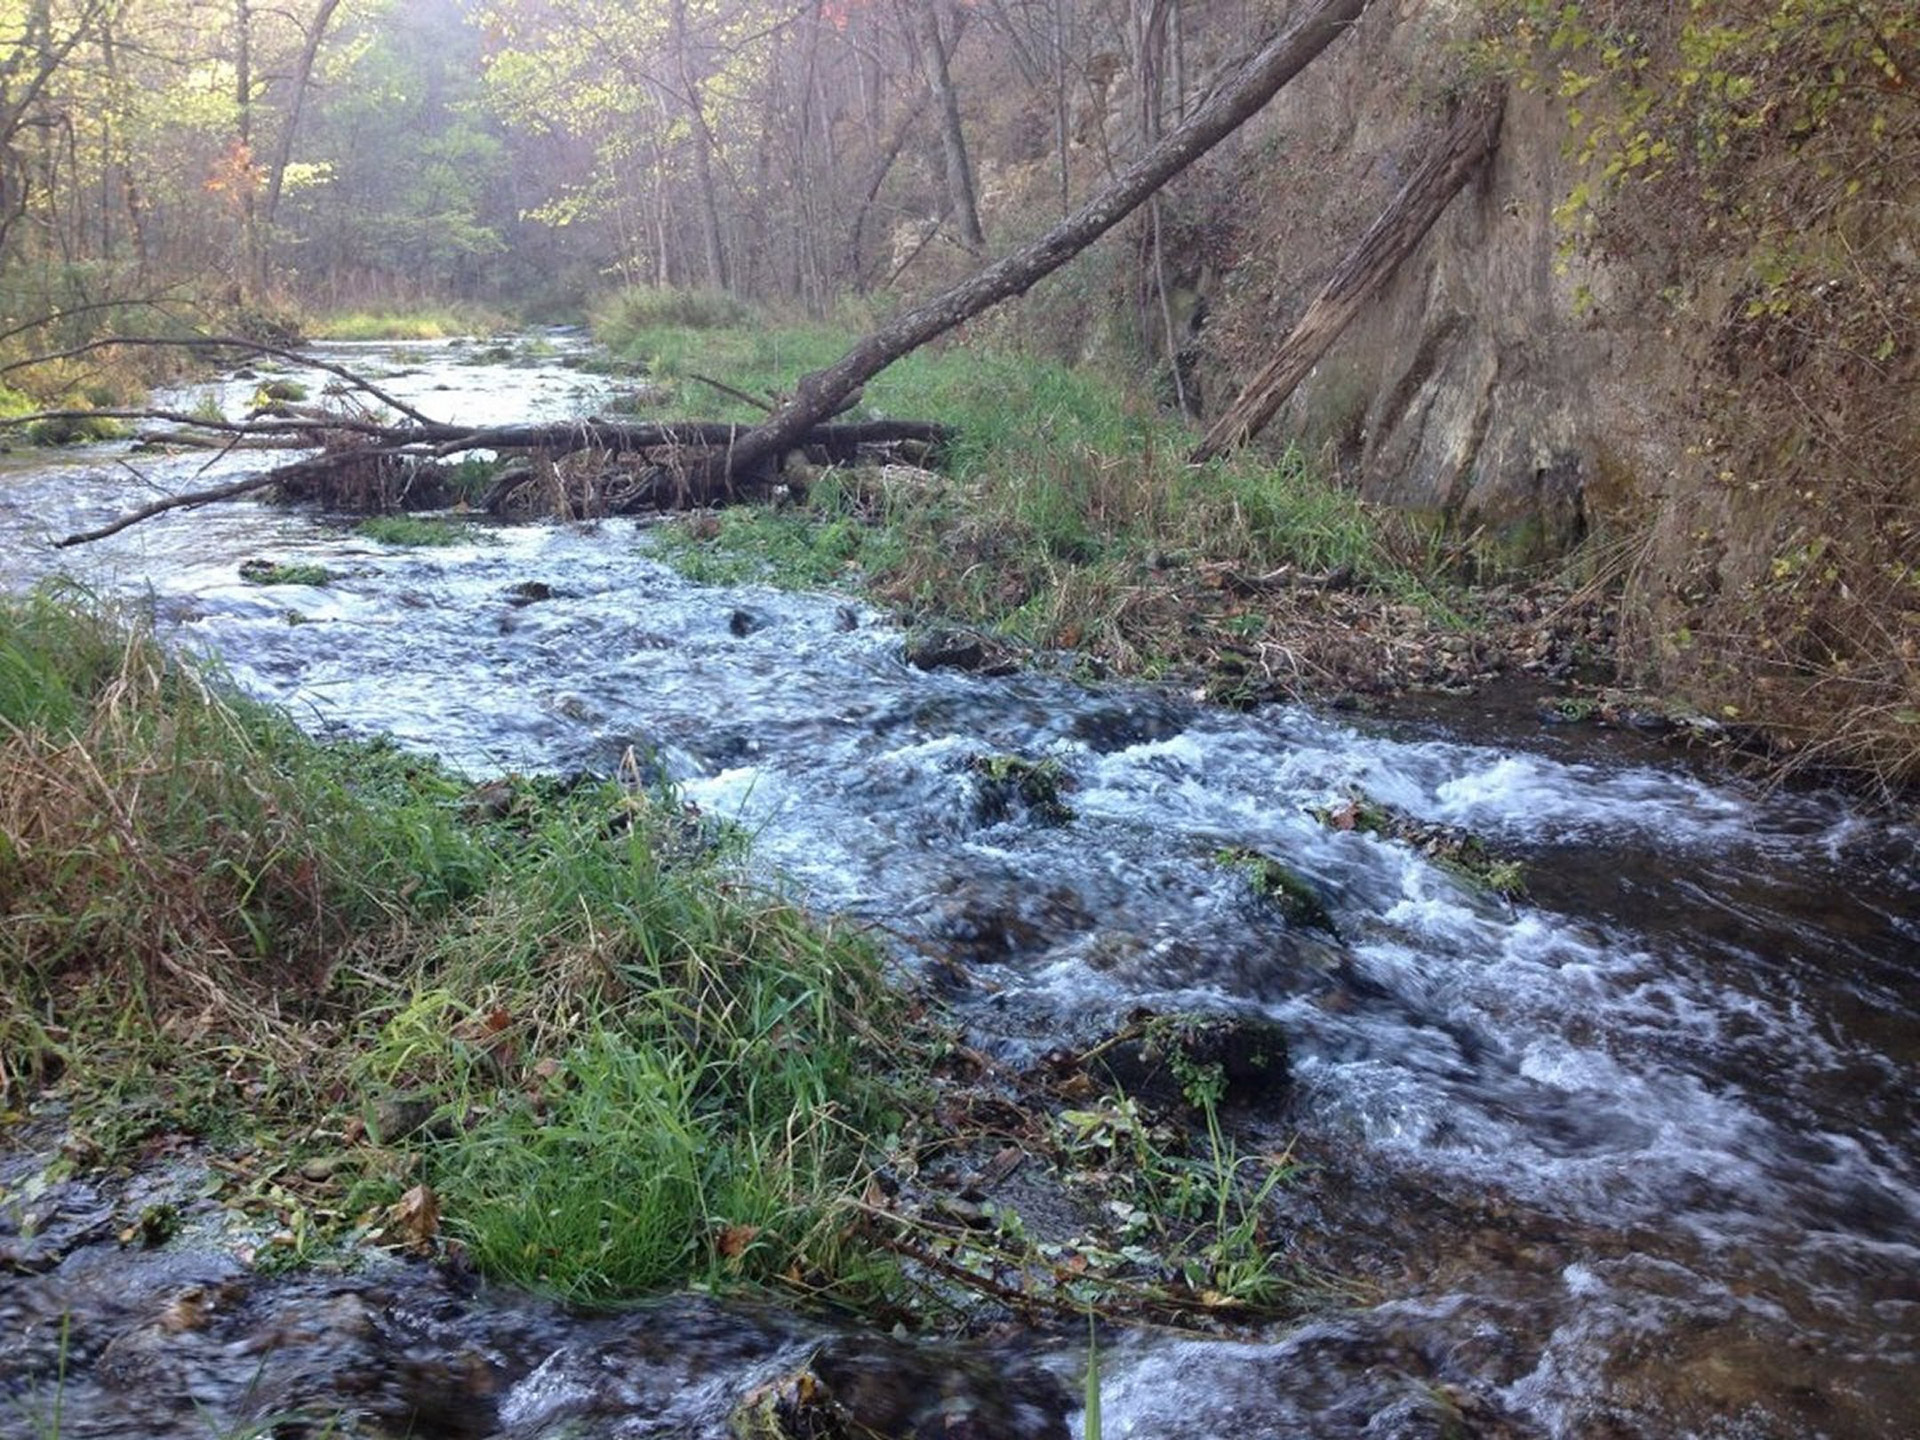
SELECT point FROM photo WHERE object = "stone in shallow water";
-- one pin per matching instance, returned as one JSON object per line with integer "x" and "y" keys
{"x": 1166, "y": 1060}
{"x": 949, "y": 649}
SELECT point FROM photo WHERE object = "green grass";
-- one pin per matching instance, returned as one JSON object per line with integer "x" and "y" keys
{"x": 420, "y": 531}
{"x": 617, "y": 318}
{"x": 1066, "y": 514}
{"x": 826, "y": 543}
{"x": 75, "y": 430}
{"x": 425, "y": 324}
{"x": 267, "y": 572}
{"x": 645, "y": 1071}
{"x": 556, "y": 1014}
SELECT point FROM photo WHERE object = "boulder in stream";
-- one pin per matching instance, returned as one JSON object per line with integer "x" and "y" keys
{"x": 945, "y": 648}
{"x": 1179, "y": 1060}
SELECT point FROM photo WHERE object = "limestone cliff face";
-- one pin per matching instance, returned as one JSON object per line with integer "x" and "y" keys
{"x": 1471, "y": 389}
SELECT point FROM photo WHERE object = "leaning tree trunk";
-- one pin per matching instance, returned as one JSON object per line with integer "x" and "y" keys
{"x": 314, "y": 37}
{"x": 1365, "y": 271}
{"x": 823, "y": 393}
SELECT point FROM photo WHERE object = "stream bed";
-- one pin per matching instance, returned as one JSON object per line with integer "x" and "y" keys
{"x": 1635, "y": 1157}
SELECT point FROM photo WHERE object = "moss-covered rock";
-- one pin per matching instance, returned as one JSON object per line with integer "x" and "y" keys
{"x": 1193, "y": 1060}
{"x": 1277, "y": 882}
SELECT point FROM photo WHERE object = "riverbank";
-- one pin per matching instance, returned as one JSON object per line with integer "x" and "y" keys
{"x": 1483, "y": 1094}
{"x": 1066, "y": 524}
{"x": 547, "y": 1029}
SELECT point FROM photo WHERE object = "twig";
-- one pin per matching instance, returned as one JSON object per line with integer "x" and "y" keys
{"x": 765, "y": 406}
{"x": 174, "y": 502}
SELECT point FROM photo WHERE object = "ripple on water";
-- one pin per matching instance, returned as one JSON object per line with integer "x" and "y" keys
{"x": 1687, "y": 1063}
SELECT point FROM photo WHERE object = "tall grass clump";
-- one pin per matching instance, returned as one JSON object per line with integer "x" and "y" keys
{"x": 174, "y": 843}
{"x": 627, "y": 1066}
{"x": 693, "y": 1067}
{"x": 1066, "y": 512}
{"x": 430, "y": 323}
{"x": 621, "y": 316}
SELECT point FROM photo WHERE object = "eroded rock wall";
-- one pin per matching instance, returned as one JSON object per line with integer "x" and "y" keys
{"x": 1471, "y": 390}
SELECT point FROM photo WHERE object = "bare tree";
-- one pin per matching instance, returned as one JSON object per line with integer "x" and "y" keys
{"x": 693, "y": 96}
{"x": 824, "y": 393}
{"x": 936, "y": 47}
{"x": 313, "y": 34}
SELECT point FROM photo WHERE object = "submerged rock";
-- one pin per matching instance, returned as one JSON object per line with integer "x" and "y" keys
{"x": 531, "y": 592}
{"x": 950, "y": 649}
{"x": 1185, "y": 1058}
{"x": 1277, "y": 882}
{"x": 1011, "y": 785}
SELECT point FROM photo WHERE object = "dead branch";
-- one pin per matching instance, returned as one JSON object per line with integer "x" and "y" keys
{"x": 1364, "y": 273}
{"x": 172, "y": 502}
{"x": 762, "y": 405}
{"x": 361, "y": 461}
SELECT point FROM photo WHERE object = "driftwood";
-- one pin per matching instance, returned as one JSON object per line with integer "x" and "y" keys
{"x": 622, "y": 468}
{"x": 644, "y": 466}
{"x": 1362, "y": 274}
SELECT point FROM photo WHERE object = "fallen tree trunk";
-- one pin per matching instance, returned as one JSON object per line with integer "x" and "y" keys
{"x": 365, "y": 465}
{"x": 819, "y": 394}
{"x": 700, "y": 464}
{"x": 1361, "y": 275}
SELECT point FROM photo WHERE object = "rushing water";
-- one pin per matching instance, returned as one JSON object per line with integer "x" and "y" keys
{"x": 1636, "y": 1158}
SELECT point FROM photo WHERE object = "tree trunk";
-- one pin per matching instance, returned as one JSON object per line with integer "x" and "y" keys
{"x": 283, "y": 148}
{"x": 710, "y": 232}
{"x": 1062, "y": 119}
{"x": 821, "y": 394}
{"x": 244, "y": 170}
{"x": 1393, "y": 237}
{"x": 934, "y": 48}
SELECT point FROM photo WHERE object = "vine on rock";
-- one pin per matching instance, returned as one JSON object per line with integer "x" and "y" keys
{"x": 1751, "y": 170}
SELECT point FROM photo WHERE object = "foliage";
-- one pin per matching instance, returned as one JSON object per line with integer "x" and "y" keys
{"x": 644, "y": 1070}
{"x": 712, "y": 1074}
{"x": 1756, "y": 160}
{"x": 621, "y": 317}
{"x": 435, "y": 323}
{"x": 268, "y": 572}
{"x": 420, "y": 530}
{"x": 175, "y": 844}
{"x": 74, "y": 430}
{"x": 1066, "y": 514}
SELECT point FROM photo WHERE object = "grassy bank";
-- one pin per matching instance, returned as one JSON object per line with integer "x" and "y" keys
{"x": 433, "y": 323}
{"x": 553, "y": 1022}
{"x": 1065, "y": 516}
{"x": 616, "y": 1064}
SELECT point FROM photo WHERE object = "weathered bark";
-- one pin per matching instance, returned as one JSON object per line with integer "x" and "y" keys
{"x": 934, "y": 48}
{"x": 819, "y": 394}
{"x": 1362, "y": 274}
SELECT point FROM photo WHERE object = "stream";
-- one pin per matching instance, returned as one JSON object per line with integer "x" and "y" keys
{"x": 1636, "y": 1157}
